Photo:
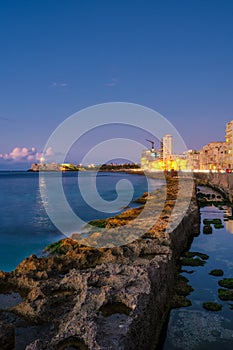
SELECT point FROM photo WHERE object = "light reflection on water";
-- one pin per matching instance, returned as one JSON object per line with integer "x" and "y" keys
{"x": 194, "y": 328}
{"x": 26, "y": 229}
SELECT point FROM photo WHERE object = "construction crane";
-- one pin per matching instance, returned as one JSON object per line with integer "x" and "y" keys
{"x": 152, "y": 145}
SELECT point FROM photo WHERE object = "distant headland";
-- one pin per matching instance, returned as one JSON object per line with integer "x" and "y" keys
{"x": 36, "y": 167}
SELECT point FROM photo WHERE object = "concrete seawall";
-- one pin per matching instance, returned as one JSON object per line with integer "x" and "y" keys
{"x": 220, "y": 181}
{"x": 112, "y": 298}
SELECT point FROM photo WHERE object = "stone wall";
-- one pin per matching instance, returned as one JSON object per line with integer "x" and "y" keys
{"x": 219, "y": 181}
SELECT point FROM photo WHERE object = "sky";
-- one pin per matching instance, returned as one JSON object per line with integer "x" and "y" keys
{"x": 58, "y": 57}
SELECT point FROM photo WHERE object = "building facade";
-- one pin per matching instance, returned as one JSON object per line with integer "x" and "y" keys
{"x": 167, "y": 147}
{"x": 193, "y": 159}
{"x": 229, "y": 145}
{"x": 212, "y": 157}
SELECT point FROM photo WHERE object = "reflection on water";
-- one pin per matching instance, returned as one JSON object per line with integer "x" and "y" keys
{"x": 194, "y": 328}
{"x": 25, "y": 227}
{"x": 229, "y": 226}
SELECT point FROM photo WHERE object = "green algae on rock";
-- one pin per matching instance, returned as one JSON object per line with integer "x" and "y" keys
{"x": 181, "y": 290}
{"x": 216, "y": 272}
{"x": 212, "y": 306}
{"x": 225, "y": 294}
{"x": 226, "y": 283}
{"x": 207, "y": 229}
{"x": 193, "y": 254}
{"x": 192, "y": 262}
{"x": 216, "y": 222}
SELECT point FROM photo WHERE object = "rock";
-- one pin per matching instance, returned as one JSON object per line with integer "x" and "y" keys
{"x": 207, "y": 229}
{"x": 216, "y": 272}
{"x": 7, "y": 336}
{"x": 226, "y": 283}
{"x": 106, "y": 298}
{"x": 36, "y": 345}
{"x": 200, "y": 255}
{"x": 225, "y": 294}
{"x": 212, "y": 306}
{"x": 192, "y": 262}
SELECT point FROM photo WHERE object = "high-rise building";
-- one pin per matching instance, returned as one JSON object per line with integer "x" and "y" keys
{"x": 167, "y": 146}
{"x": 229, "y": 145}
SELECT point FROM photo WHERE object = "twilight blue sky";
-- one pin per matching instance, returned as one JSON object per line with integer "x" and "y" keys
{"x": 57, "y": 57}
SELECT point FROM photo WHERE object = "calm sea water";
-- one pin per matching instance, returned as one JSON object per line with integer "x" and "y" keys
{"x": 25, "y": 227}
{"x": 194, "y": 328}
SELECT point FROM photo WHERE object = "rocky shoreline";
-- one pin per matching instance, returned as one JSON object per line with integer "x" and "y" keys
{"x": 108, "y": 298}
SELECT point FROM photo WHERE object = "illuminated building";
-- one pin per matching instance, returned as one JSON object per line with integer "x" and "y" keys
{"x": 212, "y": 157}
{"x": 229, "y": 145}
{"x": 167, "y": 147}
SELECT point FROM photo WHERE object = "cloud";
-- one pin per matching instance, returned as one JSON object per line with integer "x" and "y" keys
{"x": 55, "y": 84}
{"x": 112, "y": 83}
{"x": 24, "y": 154}
{"x": 3, "y": 118}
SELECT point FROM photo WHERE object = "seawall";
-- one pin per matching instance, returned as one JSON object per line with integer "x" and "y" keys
{"x": 222, "y": 182}
{"x": 110, "y": 298}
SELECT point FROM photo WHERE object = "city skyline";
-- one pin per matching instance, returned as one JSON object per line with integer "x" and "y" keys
{"x": 60, "y": 57}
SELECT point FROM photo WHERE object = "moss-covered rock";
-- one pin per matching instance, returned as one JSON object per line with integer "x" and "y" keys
{"x": 181, "y": 290}
{"x": 180, "y": 301}
{"x": 212, "y": 306}
{"x": 192, "y": 262}
{"x": 207, "y": 229}
{"x": 225, "y": 294}
{"x": 207, "y": 222}
{"x": 217, "y": 226}
{"x": 193, "y": 254}
{"x": 217, "y": 221}
{"x": 216, "y": 272}
{"x": 187, "y": 271}
{"x": 98, "y": 223}
{"x": 54, "y": 248}
{"x": 226, "y": 283}
{"x": 63, "y": 246}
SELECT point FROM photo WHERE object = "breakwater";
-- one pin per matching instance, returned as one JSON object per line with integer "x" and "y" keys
{"x": 222, "y": 182}
{"x": 110, "y": 298}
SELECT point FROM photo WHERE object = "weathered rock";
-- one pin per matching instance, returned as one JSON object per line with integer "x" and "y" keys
{"x": 7, "y": 336}
{"x": 107, "y": 298}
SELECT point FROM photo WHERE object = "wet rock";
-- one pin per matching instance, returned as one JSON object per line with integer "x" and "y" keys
{"x": 192, "y": 262}
{"x": 216, "y": 272}
{"x": 226, "y": 283}
{"x": 225, "y": 294}
{"x": 212, "y": 306}
{"x": 181, "y": 290}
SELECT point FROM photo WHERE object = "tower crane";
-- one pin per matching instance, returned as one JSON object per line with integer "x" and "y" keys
{"x": 152, "y": 145}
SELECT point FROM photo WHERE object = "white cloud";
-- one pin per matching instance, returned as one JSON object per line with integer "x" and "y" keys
{"x": 24, "y": 154}
{"x": 112, "y": 83}
{"x": 55, "y": 84}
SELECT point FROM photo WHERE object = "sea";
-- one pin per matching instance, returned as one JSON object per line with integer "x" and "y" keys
{"x": 193, "y": 327}
{"x": 25, "y": 227}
